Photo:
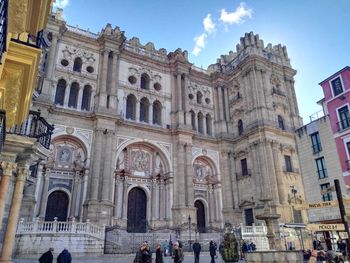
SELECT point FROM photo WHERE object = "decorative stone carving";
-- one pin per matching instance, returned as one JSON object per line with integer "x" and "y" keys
{"x": 71, "y": 52}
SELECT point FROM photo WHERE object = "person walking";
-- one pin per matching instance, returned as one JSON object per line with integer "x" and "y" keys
{"x": 146, "y": 253}
{"x": 170, "y": 248}
{"x": 196, "y": 250}
{"x": 178, "y": 253}
{"x": 165, "y": 248}
{"x": 138, "y": 256}
{"x": 64, "y": 257}
{"x": 212, "y": 251}
{"x": 159, "y": 254}
{"x": 47, "y": 257}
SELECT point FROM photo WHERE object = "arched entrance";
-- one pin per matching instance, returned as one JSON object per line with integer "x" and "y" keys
{"x": 137, "y": 205}
{"x": 200, "y": 216}
{"x": 57, "y": 206}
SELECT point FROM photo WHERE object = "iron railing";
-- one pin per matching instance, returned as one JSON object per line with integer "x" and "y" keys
{"x": 343, "y": 124}
{"x": 35, "y": 126}
{"x": 32, "y": 41}
{"x": 2, "y": 128}
{"x": 316, "y": 148}
{"x": 3, "y": 26}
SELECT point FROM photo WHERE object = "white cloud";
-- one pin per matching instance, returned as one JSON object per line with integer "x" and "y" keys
{"x": 208, "y": 23}
{"x": 237, "y": 16}
{"x": 200, "y": 43}
{"x": 61, "y": 3}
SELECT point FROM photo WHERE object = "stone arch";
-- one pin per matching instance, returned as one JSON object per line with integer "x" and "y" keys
{"x": 52, "y": 205}
{"x": 137, "y": 219}
{"x": 206, "y": 214}
{"x": 165, "y": 158}
{"x": 208, "y": 160}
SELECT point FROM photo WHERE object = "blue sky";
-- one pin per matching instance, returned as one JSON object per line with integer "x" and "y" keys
{"x": 316, "y": 32}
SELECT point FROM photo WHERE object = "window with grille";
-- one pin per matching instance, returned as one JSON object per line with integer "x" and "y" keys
{"x": 337, "y": 86}
{"x": 316, "y": 142}
{"x": 321, "y": 168}
{"x": 244, "y": 167}
{"x": 249, "y": 216}
{"x": 288, "y": 162}
{"x": 326, "y": 196}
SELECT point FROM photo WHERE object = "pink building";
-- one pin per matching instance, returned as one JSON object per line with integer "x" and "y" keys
{"x": 336, "y": 103}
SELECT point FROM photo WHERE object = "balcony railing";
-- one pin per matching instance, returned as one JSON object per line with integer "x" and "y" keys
{"x": 288, "y": 169}
{"x": 32, "y": 41}
{"x": 35, "y": 126}
{"x": 243, "y": 174}
{"x": 343, "y": 124}
{"x": 3, "y": 26}
{"x": 2, "y": 128}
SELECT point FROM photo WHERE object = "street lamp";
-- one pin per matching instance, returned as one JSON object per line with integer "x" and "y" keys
{"x": 189, "y": 230}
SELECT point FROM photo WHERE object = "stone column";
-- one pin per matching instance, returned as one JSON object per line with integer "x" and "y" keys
{"x": 271, "y": 173}
{"x": 179, "y": 88}
{"x": 125, "y": 198}
{"x": 205, "y": 132}
{"x": 73, "y": 206}
{"x": 50, "y": 61}
{"x": 216, "y": 104}
{"x": 163, "y": 120}
{"x": 7, "y": 168}
{"x": 80, "y": 97}
{"x": 113, "y": 104}
{"x": 44, "y": 193}
{"x": 66, "y": 95}
{"x": 233, "y": 179}
{"x": 162, "y": 200}
{"x": 180, "y": 177}
{"x": 103, "y": 80}
{"x": 227, "y": 109}
{"x": 153, "y": 199}
{"x": 150, "y": 114}
{"x": 85, "y": 186}
{"x": 210, "y": 204}
{"x": 137, "y": 118}
{"x": 9, "y": 240}
{"x": 227, "y": 182}
{"x": 221, "y": 105}
{"x": 94, "y": 182}
{"x": 196, "y": 121}
{"x": 116, "y": 196}
{"x": 278, "y": 173}
{"x": 119, "y": 204}
{"x": 38, "y": 189}
{"x": 107, "y": 171}
{"x": 188, "y": 175}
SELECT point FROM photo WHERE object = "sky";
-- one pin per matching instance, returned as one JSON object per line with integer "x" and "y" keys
{"x": 315, "y": 32}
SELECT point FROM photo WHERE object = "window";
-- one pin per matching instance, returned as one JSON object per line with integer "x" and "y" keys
{"x": 348, "y": 150}
{"x": 144, "y": 106}
{"x": 60, "y": 92}
{"x": 200, "y": 122}
{"x": 208, "y": 123}
{"x": 132, "y": 80}
{"x": 326, "y": 196}
{"x": 157, "y": 113}
{"x": 85, "y": 104}
{"x": 131, "y": 107}
{"x": 193, "y": 120}
{"x": 336, "y": 86}
{"x": 321, "y": 168}
{"x": 316, "y": 142}
{"x": 240, "y": 127}
{"x": 144, "y": 81}
{"x": 280, "y": 122}
{"x": 344, "y": 118}
{"x": 73, "y": 95}
{"x": 77, "y": 65}
{"x": 288, "y": 162}
{"x": 249, "y": 216}
{"x": 244, "y": 167}
{"x": 199, "y": 97}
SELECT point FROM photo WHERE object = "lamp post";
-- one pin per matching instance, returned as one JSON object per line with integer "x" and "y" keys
{"x": 189, "y": 230}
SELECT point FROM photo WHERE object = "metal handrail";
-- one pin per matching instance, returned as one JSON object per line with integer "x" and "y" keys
{"x": 35, "y": 126}
{"x": 2, "y": 128}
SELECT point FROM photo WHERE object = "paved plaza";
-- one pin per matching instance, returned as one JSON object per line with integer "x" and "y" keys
{"x": 205, "y": 258}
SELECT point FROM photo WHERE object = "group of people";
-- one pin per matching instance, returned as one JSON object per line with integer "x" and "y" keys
{"x": 319, "y": 254}
{"x": 247, "y": 247}
{"x": 63, "y": 257}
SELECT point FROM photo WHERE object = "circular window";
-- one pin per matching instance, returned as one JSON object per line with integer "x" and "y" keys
{"x": 190, "y": 96}
{"x": 132, "y": 80}
{"x": 90, "y": 69}
{"x": 207, "y": 100}
{"x": 157, "y": 86}
{"x": 64, "y": 62}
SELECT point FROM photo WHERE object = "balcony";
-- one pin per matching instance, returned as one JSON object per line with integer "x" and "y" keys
{"x": 34, "y": 126}
{"x": 288, "y": 169}
{"x": 243, "y": 174}
{"x": 343, "y": 124}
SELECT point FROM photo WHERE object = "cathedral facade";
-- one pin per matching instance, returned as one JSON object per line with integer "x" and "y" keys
{"x": 145, "y": 140}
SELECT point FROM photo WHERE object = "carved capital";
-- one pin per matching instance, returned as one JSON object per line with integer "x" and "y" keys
{"x": 8, "y": 168}
{"x": 22, "y": 173}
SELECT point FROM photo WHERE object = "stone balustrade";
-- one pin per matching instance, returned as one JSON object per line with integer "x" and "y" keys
{"x": 72, "y": 227}
{"x": 256, "y": 234}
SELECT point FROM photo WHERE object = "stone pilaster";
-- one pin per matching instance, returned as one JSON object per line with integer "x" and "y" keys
{"x": 9, "y": 240}
{"x": 278, "y": 174}
{"x": 188, "y": 175}
{"x": 113, "y": 103}
{"x": 44, "y": 193}
{"x": 103, "y": 80}
{"x": 226, "y": 175}
{"x": 8, "y": 168}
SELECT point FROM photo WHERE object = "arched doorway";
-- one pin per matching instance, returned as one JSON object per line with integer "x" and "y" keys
{"x": 57, "y": 206}
{"x": 200, "y": 216}
{"x": 137, "y": 205}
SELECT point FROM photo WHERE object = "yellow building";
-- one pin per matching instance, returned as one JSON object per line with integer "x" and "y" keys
{"x": 21, "y": 27}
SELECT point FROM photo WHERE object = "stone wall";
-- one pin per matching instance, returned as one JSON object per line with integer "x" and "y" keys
{"x": 33, "y": 245}
{"x": 275, "y": 256}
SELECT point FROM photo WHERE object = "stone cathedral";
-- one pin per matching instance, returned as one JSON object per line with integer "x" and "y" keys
{"x": 145, "y": 140}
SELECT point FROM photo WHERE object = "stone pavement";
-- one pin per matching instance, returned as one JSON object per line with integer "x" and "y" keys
{"x": 205, "y": 258}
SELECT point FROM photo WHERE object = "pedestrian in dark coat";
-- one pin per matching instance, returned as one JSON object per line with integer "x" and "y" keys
{"x": 170, "y": 248}
{"x": 146, "y": 253}
{"x": 47, "y": 257}
{"x": 64, "y": 257}
{"x": 178, "y": 253}
{"x": 138, "y": 256}
{"x": 212, "y": 251}
{"x": 159, "y": 254}
{"x": 196, "y": 250}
